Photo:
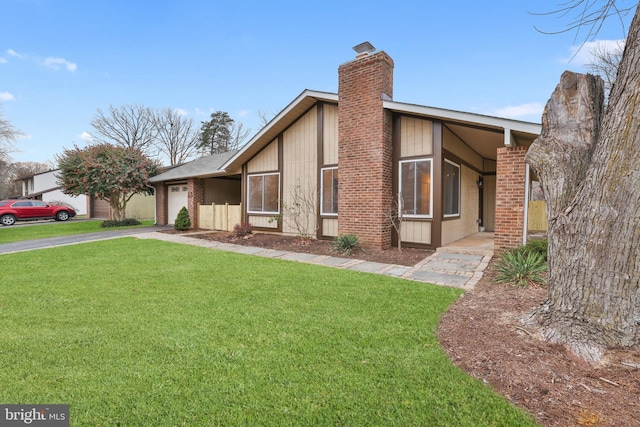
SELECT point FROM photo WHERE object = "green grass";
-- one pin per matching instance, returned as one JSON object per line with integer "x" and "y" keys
{"x": 141, "y": 332}
{"x": 55, "y": 229}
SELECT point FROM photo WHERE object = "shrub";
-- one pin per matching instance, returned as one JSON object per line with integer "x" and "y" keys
{"x": 241, "y": 230}
{"x": 126, "y": 223}
{"x": 521, "y": 268}
{"x": 182, "y": 222}
{"x": 345, "y": 244}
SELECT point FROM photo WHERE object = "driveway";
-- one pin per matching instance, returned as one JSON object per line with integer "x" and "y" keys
{"x": 29, "y": 245}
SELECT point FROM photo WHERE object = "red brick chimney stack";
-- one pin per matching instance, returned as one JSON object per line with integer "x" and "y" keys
{"x": 364, "y": 146}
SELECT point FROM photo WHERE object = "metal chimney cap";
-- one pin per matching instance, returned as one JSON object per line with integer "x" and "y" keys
{"x": 364, "y": 47}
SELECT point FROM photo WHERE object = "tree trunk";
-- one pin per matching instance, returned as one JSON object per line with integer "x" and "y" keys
{"x": 588, "y": 163}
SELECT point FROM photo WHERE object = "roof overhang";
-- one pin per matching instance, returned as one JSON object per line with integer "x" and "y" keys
{"x": 484, "y": 134}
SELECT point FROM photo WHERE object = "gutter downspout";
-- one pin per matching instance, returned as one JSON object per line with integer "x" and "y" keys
{"x": 525, "y": 226}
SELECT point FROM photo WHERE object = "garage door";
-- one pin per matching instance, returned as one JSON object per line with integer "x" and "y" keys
{"x": 178, "y": 198}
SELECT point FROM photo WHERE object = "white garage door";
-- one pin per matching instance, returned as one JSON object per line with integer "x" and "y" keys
{"x": 178, "y": 198}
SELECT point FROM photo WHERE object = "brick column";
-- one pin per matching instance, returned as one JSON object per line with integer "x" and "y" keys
{"x": 510, "y": 194}
{"x": 364, "y": 148}
{"x": 196, "y": 197}
{"x": 161, "y": 203}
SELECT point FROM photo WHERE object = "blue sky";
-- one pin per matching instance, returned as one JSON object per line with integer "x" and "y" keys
{"x": 61, "y": 60}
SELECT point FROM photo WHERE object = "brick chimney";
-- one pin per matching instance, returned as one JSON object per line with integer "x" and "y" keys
{"x": 364, "y": 147}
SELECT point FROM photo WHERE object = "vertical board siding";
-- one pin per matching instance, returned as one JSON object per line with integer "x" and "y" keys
{"x": 140, "y": 206}
{"x": 489, "y": 202}
{"x": 266, "y": 160}
{"x": 262, "y": 221}
{"x": 330, "y": 227}
{"x": 330, "y": 132}
{"x": 416, "y": 232}
{"x": 466, "y": 225}
{"x": 220, "y": 191}
{"x": 416, "y": 137}
{"x": 299, "y": 169}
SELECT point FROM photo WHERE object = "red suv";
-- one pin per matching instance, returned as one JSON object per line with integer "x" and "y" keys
{"x": 21, "y": 210}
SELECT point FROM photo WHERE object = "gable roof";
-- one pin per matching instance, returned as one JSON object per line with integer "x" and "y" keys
{"x": 284, "y": 119}
{"x": 200, "y": 168}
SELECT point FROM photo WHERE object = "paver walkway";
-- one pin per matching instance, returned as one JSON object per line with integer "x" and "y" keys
{"x": 441, "y": 268}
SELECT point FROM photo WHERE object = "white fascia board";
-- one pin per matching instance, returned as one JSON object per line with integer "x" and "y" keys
{"x": 461, "y": 116}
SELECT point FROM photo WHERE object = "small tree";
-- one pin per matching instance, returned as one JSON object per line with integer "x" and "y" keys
{"x": 299, "y": 211}
{"x": 395, "y": 218}
{"x": 176, "y": 136}
{"x": 183, "y": 222}
{"x": 108, "y": 172}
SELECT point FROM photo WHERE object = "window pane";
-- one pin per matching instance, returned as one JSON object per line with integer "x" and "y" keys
{"x": 423, "y": 188}
{"x": 255, "y": 193}
{"x": 330, "y": 191}
{"x": 271, "y": 193}
{"x": 451, "y": 186}
{"x": 408, "y": 186}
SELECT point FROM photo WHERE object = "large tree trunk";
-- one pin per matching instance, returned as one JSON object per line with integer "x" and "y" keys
{"x": 588, "y": 162}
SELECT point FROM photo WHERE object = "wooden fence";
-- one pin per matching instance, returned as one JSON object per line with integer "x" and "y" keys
{"x": 537, "y": 220}
{"x": 219, "y": 217}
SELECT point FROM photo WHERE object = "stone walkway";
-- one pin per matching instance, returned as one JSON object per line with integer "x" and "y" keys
{"x": 446, "y": 269}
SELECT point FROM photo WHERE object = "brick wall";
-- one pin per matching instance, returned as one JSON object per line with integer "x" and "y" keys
{"x": 510, "y": 194}
{"x": 161, "y": 203}
{"x": 195, "y": 197}
{"x": 364, "y": 148}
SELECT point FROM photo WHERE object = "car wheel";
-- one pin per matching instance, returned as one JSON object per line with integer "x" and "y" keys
{"x": 62, "y": 216}
{"x": 8, "y": 219}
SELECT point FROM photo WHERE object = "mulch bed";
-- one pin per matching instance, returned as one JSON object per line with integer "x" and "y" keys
{"x": 482, "y": 335}
{"x": 408, "y": 256}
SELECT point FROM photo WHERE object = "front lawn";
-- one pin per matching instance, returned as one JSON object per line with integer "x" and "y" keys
{"x": 55, "y": 229}
{"x": 141, "y": 332}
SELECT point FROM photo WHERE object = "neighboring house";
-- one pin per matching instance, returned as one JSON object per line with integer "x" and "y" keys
{"x": 359, "y": 151}
{"x": 44, "y": 186}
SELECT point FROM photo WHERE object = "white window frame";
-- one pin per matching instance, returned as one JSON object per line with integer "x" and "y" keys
{"x": 453, "y": 215}
{"x": 322, "y": 212}
{"x": 263, "y": 193}
{"x": 400, "y": 204}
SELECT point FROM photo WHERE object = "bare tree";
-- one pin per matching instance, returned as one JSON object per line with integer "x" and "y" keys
{"x": 176, "y": 136}
{"x": 12, "y": 174}
{"x": 587, "y": 159}
{"x": 239, "y": 134}
{"x": 8, "y": 134}
{"x": 299, "y": 211}
{"x": 128, "y": 126}
{"x": 265, "y": 117}
{"x": 605, "y": 62}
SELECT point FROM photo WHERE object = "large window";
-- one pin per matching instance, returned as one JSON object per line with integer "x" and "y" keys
{"x": 264, "y": 193}
{"x": 416, "y": 188}
{"x": 329, "y": 191}
{"x": 451, "y": 189}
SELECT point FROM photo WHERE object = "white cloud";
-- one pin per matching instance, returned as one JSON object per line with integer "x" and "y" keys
{"x": 85, "y": 136}
{"x": 57, "y": 63}
{"x": 583, "y": 55}
{"x": 516, "y": 111}
{"x": 12, "y": 52}
{"x": 181, "y": 112}
{"x": 244, "y": 113}
{"x": 6, "y": 96}
{"x": 3, "y": 60}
